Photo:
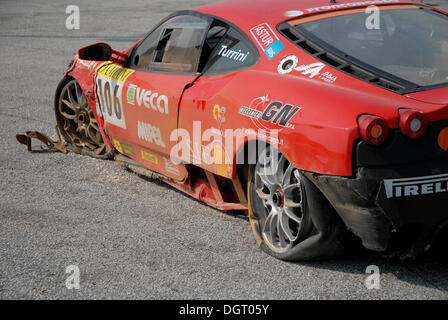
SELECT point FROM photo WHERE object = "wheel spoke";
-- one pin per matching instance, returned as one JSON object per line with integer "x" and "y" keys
{"x": 284, "y": 223}
{"x": 287, "y": 176}
{"x": 292, "y": 204}
{"x": 100, "y": 149}
{"x": 69, "y": 104}
{"x": 262, "y": 195}
{"x": 267, "y": 180}
{"x": 91, "y": 134}
{"x": 292, "y": 215}
{"x": 279, "y": 165}
{"x": 77, "y": 94}
{"x": 273, "y": 225}
{"x": 291, "y": 187}
{"x": 281, "y": 233}
{"x": 92, "y": 118}
{"x": 94, "y": 126}
{"x": 297, "y": 175}
{"x": 70, "y": 97}
{"x": 270, "y": 169}
{"x": 68, "y": 116}
{"x": 267, "y": 228}
{"x": 99, "y": 138}
{"x": 81, "y": 129}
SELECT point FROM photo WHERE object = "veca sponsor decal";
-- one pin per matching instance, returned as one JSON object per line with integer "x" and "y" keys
{"x": 109, "y": 87}
{"x": 268, "y": 114}
{"x": 150, "y": 133}
{"x": 267, "y": 40}
{"x": 407, "y": 187}
{"x": 147, "y": 98}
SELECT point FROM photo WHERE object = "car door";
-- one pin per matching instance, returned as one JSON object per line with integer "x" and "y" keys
{"x": 160, "y": 68}
{"x": 211, "y": 104}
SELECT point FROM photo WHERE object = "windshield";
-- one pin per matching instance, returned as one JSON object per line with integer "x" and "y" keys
{"x": 410, "y": 43}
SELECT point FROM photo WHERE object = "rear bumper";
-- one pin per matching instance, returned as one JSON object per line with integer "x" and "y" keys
{"x": 396, "y": 206}
{"x": 386, "y": 212}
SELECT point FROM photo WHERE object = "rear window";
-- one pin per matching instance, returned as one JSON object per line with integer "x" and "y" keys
{"x": 409, "y": 43}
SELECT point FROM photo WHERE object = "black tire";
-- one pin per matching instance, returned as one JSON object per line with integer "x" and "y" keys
{"x": 291, "y": 219}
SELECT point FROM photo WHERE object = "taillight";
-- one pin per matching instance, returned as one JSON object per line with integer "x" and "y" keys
{"x": 412, "y": 123}
{"x": 373, "y": 129}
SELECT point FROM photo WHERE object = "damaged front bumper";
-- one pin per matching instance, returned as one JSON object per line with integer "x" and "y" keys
{"x": 398, "y": 199}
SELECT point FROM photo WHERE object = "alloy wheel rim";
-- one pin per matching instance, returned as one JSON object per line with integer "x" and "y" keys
{"x": 77, "y": 117}
{"x": 279, "y": 186}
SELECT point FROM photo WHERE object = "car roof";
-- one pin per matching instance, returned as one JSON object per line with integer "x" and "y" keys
{"x": 249, "y": 13}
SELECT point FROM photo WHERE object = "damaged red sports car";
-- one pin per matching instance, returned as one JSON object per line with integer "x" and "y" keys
{"x": 316, "y": 118}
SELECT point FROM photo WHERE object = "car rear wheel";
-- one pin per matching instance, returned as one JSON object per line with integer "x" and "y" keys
{"x": 286, "y": 220}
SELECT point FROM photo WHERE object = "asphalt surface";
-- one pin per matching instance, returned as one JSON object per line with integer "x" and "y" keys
{"x": 131, "y": 237}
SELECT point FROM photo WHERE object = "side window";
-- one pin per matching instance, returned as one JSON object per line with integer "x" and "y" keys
{"x": 174, "y": 47}
{"x": 233, "y": 52}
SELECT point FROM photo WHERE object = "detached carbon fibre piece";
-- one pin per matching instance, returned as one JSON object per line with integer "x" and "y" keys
{"x": 26, "y": 139}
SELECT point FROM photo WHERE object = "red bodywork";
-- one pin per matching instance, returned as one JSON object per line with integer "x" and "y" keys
{"x": 319, "y": 138}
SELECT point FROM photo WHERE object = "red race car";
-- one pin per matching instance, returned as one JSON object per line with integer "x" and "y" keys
{"x": 316, "y": 118}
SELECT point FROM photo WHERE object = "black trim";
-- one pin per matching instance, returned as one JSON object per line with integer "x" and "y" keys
{"x": 388, "y": 223}
{"x": 249, "y": 42}
{"x": 401, "y": 150}
{"x": 173, "y": 15}
{"x": 201, "y": 15}
{"x": 350, "y": 65}
{"x": 252, "y": 48}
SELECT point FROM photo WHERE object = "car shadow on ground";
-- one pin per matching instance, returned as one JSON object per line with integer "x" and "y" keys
{"x": 429, "y": 270}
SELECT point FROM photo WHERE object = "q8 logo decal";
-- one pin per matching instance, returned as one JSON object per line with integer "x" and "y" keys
{"x": 109, "y": 87}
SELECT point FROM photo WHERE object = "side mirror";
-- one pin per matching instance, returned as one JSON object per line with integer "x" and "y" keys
{"x": 97, "y": 51}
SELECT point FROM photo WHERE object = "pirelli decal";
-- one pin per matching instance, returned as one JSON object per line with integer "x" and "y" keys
{"x": 408, "y": 187}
